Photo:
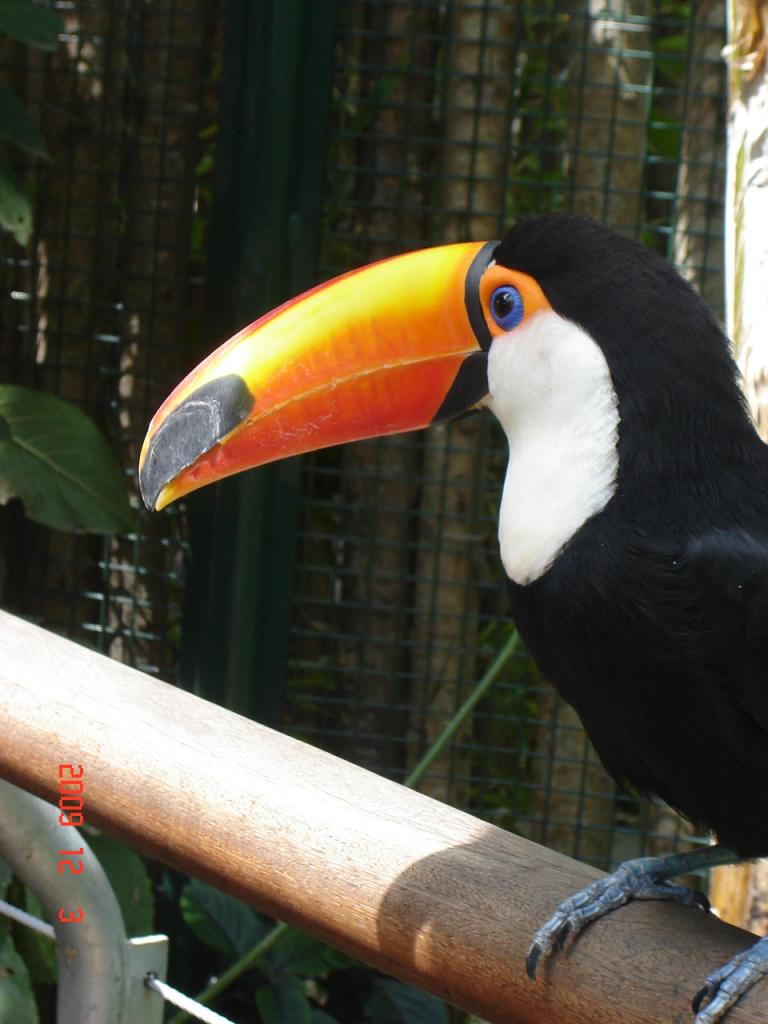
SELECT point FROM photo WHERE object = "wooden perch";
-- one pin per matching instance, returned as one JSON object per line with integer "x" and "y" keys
{"x": 407, "y": 884}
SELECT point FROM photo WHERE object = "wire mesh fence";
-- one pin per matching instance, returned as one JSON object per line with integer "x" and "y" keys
{"x": 99, "y": 305}
{"x": 448, "y": 119}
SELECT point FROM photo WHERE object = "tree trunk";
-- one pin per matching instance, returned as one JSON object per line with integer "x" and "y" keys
{"x": 747, "y": 202}
{"x": 697, "y": 238}
{"x": 609, "y": 86}
{"x": 477, "y": 111}
{"x": 698, "y": 249}
{"x": 150, "y": 273}
{"x": 379, "y": 489}
{"x": 574, "y": 799}
{"x": 741, "y": 894}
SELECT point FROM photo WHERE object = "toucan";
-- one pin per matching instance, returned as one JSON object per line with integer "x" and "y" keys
{"x": 633, "y": 525}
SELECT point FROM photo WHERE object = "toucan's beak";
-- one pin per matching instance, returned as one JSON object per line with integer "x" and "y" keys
{"x": 392, "y": 347}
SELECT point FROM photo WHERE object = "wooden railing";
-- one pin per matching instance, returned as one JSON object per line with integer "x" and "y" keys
{"x": 416, "y": 888}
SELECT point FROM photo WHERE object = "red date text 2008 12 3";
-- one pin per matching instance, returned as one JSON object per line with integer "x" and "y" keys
{"x": 71, "y": 787}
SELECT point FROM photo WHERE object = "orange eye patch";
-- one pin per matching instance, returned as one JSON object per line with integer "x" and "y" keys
{"x": 494, "y": 281}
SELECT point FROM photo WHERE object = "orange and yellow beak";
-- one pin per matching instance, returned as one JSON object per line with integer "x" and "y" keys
{"x": 395, "y": 346}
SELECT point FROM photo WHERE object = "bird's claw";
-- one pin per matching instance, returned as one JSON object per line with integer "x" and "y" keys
{"x": 635, "y": 879}
{"x": 725, "y": 986}
{"x": 700, "y": 900}
{"x": 532, "y": 960}
{"x": 704, "y": 993}
{"x": 647, "y": 879}
{"x": 567, "y": 922}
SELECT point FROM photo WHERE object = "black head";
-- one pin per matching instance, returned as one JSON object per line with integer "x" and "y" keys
{"x": 629, "y": 298}
{"x": 668, "y": 356}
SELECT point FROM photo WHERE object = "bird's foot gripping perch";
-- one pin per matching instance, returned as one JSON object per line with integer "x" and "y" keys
{"x": 728, "y": 983}
{"x": 647, "y": 878}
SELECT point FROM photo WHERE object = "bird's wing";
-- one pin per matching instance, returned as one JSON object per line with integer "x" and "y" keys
{"x": 729, "y": 570}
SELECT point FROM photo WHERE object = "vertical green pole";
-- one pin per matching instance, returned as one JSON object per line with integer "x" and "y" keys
{"x": 265, "y": 235}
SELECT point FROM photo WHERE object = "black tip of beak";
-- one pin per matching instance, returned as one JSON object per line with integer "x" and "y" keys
{"x": 202, "y": 420}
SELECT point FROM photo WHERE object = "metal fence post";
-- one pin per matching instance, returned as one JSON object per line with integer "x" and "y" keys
{"x": 101, "y": 971}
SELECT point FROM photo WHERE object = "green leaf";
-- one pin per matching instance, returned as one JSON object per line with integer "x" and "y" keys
{"x": 30, "y": 23}
{"x": 394, "y": 1002}
{"x": 15, "y": 207}
{"x": 17, "y": 124}
{"x": 321, "y": 1017}
{"x": 300, "y": 954}
{"x": 336, "y": 960}
{"x": 129, "y": 880}
{"x": 59, "y": 464}
{"x": 37, "y": 951}
{"x": 5, "y": 877}
{"x": 17, "y": 1003}
{"x": 284, "y": 1003}
{"x": 220, "y": 921}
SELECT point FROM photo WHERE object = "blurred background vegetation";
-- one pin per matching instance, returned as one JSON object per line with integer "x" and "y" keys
{"x": 169, "y": 171}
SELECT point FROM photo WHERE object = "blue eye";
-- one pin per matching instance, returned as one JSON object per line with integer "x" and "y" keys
{"x": 507, "y": 307}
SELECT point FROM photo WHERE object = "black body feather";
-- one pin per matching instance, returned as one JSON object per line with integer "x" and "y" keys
{"x": 653, "y": 620}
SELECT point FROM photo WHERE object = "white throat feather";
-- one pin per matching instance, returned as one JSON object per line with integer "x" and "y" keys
{"x": 551, "y": 390}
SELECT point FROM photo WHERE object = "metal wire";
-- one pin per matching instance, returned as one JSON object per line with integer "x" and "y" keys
{"x": 182, "y": 1002}
{"x": 28, "y": 920}
{"x": 169, "y": 994}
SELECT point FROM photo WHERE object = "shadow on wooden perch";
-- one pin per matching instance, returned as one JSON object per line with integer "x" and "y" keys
{"x": 412, "y": 886}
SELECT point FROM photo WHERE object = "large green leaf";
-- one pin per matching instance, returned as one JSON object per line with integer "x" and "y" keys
{"x": 15, "y": 207}
{"x": 394, "y": 1002}
{"x": 299, "y": 954}
{"x": 59, "y": 464}
{"x": 220, "y": 921}
{"x": 17, "y": 124}
{"x": 17, "y": 1003}
{"x": 283, "y": 1003}
{"x": 30, "y": 23}
{"x": 129, "y": 880}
